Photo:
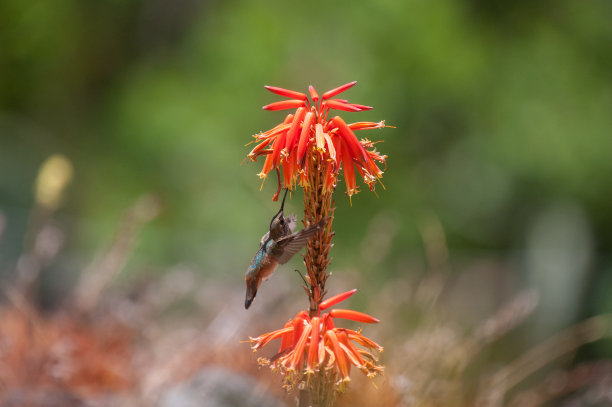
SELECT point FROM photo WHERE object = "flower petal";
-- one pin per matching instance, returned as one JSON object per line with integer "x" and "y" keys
{"x": 314, "y": 343}
{"x": 331, "y": 301}
{"x": 272, "y": 133}
{"x": 298, "y": 322}
{"x": 349, "y": 171}
{"x": 304, "y": 136}
{"x": 332, "y": 357}
{"x": 340, "y": 105}
{"x": 330, "y": 147}
{"x": 319, "y": 139}
{"x": 339, "y": 353}
{"x": 328, "y": 323}
{"x": 366, "y": 125}
{"x": 290, "y": 169}
{"x": 330, "y": 176}
{"x": 338, "y": 90}
{"x": 353, "y": 316}
{"x": 337, "y": 142}
{"x": 295, "y": 127}
{"x": 286, "y": 92}
{"x": 288, "y": 119}
{"x": 363, "y": 340}
{"x": 266, "y": 167}
{"x": 321, "y": 351}
{"x": 284, "y": 104}
{"x": 351, "y": 356}
{"x": 278, "y": 146}
{"x": 287, "y": 338}
{"x": 298, "y": 352}
{"x": 313, "y": 93}
{"x": 351, "y": 351}
{"x": 351, "y": 140}
{"x": 264, "y": 339}
{"x": 257, "y": 151}
{"x": 361, "y": 107}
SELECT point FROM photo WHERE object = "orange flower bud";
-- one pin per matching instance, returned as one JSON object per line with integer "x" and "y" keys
{"x": 286, "y": 92}
{"x": 313, "y": 93}
{"x": 295, "y": 126}
{"x": 284, "y": 104}
{"x": 338, "y": 90}
{"x": 340, "y": 105}
{"x": 331, "y": 301}
{"x": 304, "y": 136}
{"x": 353, "y": 316}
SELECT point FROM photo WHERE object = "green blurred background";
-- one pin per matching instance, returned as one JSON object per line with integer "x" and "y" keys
{"x": 502, "y": 140}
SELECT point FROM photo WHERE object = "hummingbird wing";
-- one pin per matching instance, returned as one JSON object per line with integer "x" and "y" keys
{"x": 290, "y": 245}
{"x": 264, "y": 238}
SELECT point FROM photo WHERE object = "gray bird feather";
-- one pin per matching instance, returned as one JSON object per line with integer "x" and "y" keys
{"x": 286, "y": 247}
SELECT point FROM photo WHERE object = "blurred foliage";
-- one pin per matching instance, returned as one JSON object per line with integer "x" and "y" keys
{"x": 502, "y": 115}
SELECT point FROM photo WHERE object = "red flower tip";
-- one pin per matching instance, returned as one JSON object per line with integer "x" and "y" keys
{"x": 338, "y": 90}
{"x": 284, "y": 104}
{"x": 367, "y": 125}
{"x": 353, "y": 316}
{"x": 336, "y": 299}
{"x": 286, "y": 92}
{"x": 313, "y": 93}
{"x": 362, "y": 107}
{"x": 341, "y": 105}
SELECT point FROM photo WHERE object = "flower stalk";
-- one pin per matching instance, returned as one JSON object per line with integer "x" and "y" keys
{"x": 318, "y": 204}
{"x": 310, "y": 149}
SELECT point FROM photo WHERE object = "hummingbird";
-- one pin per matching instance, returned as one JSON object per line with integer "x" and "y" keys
{"x": 276, "y": 247}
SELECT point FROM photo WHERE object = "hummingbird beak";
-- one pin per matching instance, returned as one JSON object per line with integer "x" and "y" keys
{"x": 284, "y": 197}
{"x": 280, "y": 212}
{"x": 250, "y": 295}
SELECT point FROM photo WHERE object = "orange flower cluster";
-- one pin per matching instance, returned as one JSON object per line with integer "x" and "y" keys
{"x": 308, "y": 132}
{"x": 311, "y": 344}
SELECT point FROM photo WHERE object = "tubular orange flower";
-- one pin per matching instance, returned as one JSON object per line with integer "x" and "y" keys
{"x": 309, "y": 345}
{"x": 331, "y": 301}
{"x": 313, "y": 94}
{"x": 284, "y": 104}
{"x": 295, "y": 126}
{"x": 304, "y": 136}
{"x": 338, "y": 352}
{"x": 353, "y": 315}
{"x": 366, "y": 125}
{"x": 308, "y": 133}
{"x": 298, "y": 352}
{"x": 349, "y": 170}
{"x": 349, "y": 138}
{"x": 338, "y": 90}
{"x": 286, "y": 92}
{"x": 340, "y": 105}
{"x": 314, "y": 345}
